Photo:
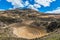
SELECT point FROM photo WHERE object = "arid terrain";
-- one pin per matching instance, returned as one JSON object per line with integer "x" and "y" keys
{"x": 28, "y": 24}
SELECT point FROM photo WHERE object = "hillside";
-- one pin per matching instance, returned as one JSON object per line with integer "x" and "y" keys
{"x": 28, "y": 24}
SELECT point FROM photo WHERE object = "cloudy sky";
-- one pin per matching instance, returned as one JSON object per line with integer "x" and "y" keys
{"x": 47, "y": 6}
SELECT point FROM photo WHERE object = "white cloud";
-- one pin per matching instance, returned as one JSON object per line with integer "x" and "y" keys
{"x": 54, "y": 11}
{"x": 38, "y": 3}
{"x": 26, "y": 3}
{"x": 16, "y": 3}
{"x": 32, "y": 7}
{"x": 44, "y": 2}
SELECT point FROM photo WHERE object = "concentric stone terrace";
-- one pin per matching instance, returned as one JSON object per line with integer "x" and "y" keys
{"x": 28, "y": 23}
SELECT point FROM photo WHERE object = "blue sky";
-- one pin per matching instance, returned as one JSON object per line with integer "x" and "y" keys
{"x": 47, "y": 6}
{"x": 5, "y": 5}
